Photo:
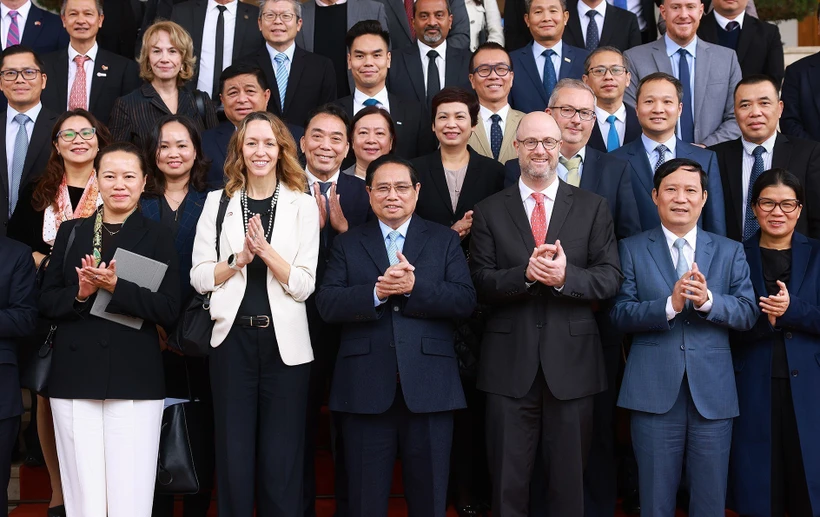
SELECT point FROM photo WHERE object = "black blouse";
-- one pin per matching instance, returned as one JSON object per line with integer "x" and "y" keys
{"x": 256, "y": 301}
{"x": 777, "y": 265}
{"x": 26, "y": 224}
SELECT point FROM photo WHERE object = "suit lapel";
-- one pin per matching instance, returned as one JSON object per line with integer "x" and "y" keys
{"x": 747, "y": 34}
{"x": 416, "y": 239}
{"x": 633, "y": 125}
{"x": 40, "y": 137}
{"x": 801, "y": 252}
{"x": 297, "y": 67}
{"x": 704, "y": 252}
{"x": 482, "y": 144}
{"x": 609, "y": 26}
{"x": 532, "y": 70}
{"x": 591, "y": 176}
{"x": 133, "y": 230}
{"x": 412, "y": 61}
{"x": 660, "y": 254}
{"x": 510, "y": 126}
{"x": 518, "y": 214}
{"x": 398, "y": 9}
{"x": 233, "y": 227}
{"x": 373, "y": 242}
{"x": 439, "y": 180}
{"x": 566, "y": 62}
{"x": 308, "y": 20}
{"x": 596, "y": 139}
{"x": 4, "y": 177}
{"x": 199, "y": 24}
{"x": 99, "y": 76}
{"x": 574, "y": 24}
{"x": 734, "y": 174}
{"x": 245, "y": 25}
{"x": 33, "y": 27}
{"x": 782, "y": 151}
{"x": 703, "y": 63}
{"x": 471, "y": 183}
{"x": 662, "y": 62}
{"x": 453, "y": 69}
{"x": 60, "y": 80}
{"x": 755, "y": 262}
{"x": 194, "y": 202}
{"x": 642, "y": 166}
{"x": 560, "y": 211}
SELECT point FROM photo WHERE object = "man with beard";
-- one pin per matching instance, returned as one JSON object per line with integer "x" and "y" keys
{"x": 420, "y": 71}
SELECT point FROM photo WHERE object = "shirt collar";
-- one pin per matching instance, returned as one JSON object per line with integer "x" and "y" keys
{"x": 650, "y": 144}
{"x": 231, "y": 6}
{"x": 602, "y": 114}
{"x": 538, "y": 49}
{"x": 288, "y": 52}
{"x": 401, "y": 229}
{"x": 313, "y": 179}
{"x": 33, "y": 113}
{"x": 691, "y": 237}
{"x": 583, "y": 9}
{"x": 485, "y": 114}
{"x": 768, "y": 144}
{"x": 582, "y": 153}
{"x": 381, "y": 96}
{"x": 672, "y": 47}
{"x": 550, "y": 191}
{"x": 723, "y": 21}
{"x": 325, "y": 4}
{"x": 441, "y": 49}
{"x": 22, "y": 11}
{"x": 92, "y": 53}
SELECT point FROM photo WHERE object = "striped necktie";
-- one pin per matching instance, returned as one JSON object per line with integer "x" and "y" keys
{"x": 18, "y": 159}
{"x": 14, "y": 30}
{"x": 281, "y": 77}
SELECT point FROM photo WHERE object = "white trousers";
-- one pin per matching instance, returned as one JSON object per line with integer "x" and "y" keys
{"x": 108, "y": 455}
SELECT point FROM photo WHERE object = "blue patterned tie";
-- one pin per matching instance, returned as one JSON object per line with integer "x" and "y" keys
{"x": 593, "y": 38}
{"x": 750, "y": 224}
{"x": 687, "y": 123}
{"x": 281, "y": 77}
{"x": 392, "y": 247}
{"x": 661, "y": 150}
{"x": 496, "y": 136}
{"x": 612, "y": 140}
{"x": 549, "y": 78}
{"x": 18, "y": 159}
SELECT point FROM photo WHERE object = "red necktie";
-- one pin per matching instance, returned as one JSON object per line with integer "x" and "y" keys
{"x": 408, "y": 9}
{"x": 538, "y": 220}
{"x": 78, "y": 98}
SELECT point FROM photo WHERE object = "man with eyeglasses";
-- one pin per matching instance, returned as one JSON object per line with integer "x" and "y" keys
{"x": 396, "y": 284}
{"x": 301, "y": 80}
{"x": 543, "y": 255}
{"x": 26, "y": 128}
{"x": 491, "y": 76}
{"x": 607, "y": 75}
{"x": 761, "y": 147}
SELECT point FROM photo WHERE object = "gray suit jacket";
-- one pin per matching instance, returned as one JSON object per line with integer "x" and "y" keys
{"x": 459, "y": 36}
{"x": 717, "y": 72}
{"x": 479, "y": 142}
{"x": 357, "y": 10}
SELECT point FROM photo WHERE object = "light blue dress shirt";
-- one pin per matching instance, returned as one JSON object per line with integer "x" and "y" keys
{"x": 386, "y": 241}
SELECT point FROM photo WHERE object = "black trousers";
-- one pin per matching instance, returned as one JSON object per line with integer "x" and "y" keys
{"x": 8, "y": 436}
{"x": 371, "y": 444}
{"x": 514, "y": 428}
{"x": 469, "y": 475}
{"x": 790, "y": 492}
{"x": 259, "y": 415}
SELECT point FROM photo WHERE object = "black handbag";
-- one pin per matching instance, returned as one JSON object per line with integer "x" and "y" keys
{"x": 192, "y": 335}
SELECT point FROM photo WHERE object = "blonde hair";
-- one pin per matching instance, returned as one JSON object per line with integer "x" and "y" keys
{"x": 180, "y": 39}
{"x": 287, "y": 170}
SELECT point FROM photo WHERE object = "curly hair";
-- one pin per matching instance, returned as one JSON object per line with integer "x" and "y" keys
{"x": 156, "y": 178}
{"x": 180, "y": 39}
{"x": 288, "y": 170}
{"x": 45, "y": 193}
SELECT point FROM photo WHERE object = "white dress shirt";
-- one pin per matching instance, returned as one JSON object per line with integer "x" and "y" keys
{"x": 88, "y": 66}
{"x": 620, "y": 122}
{"x": 672, "y": 51}
{"x": 556, "y": 58}
{"x": 5, "y": 21}
{"x": 749, "y": 161}
{"x": 359, "y": 98}
{"x": 11, "y": 132}
{"x": 688, "y": 250}
{"x": 486, "y": 116}
{"x": 634, "y": 6}
{"x": 723, "y": 21}
{"x": 529, "y": 203}
{"x": 272, "y": 52}
{"x": 649, "y": 146}
{"x": 583, "y": 9}
{"x": 562, "y": 171}
{"x": 399, "y": 245}
{"x": 207, "y": 56}
{"x": 313, "y": 179}
{"x": 441, "y": 61}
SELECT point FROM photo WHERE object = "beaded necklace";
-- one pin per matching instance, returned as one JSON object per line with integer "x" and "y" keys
{"x": 245, "y": 215}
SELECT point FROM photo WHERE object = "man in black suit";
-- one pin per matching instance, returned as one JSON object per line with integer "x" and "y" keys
{"x": 39, "y": 30}
{"x": 368, "y": 58}
{"x": 215, "y": 49}
{"x": 403, "y": 33}
{"x": 543, "y": 256}
{"x": 616, "y": 122}
{"x": 420, "y": 71}
{"x": 25, "y": 132}
{"x": 123, "y": 21}
{"x": 396, "y": 285}
{"x": 612, "y": 26}
{"x": 18, "y": 318}
{"x": 302, "y": 80}
{"x": 757, "y": 43}
{"x": 760, "y": 148}
{"x": 85, "y": 75}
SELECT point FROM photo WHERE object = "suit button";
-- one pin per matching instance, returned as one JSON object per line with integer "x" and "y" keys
{"x": 395, "y": 308}
{"x": 686, "y": 322}
{"x": 683, "y": 347}
{"x": 788, "y": 335}
{"x": 392, "y": 344}
{"x": 795, "y": 373}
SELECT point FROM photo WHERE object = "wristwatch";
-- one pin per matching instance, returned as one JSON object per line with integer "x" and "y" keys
{"x": 232, "y": 262}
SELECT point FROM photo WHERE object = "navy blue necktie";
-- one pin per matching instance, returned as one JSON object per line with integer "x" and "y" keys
{"x": 687, "y": 123}
{"x": 750, "y": 224}
{"x": 496, "y": 136}
{"x": 549, "y": 78}
{"x": 593, "y": 39}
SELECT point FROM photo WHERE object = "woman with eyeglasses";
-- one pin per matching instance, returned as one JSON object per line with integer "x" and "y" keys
{"x": 775, "y": 458}
{"x": 66, "y": 190}
{"x": 373, "y": 134}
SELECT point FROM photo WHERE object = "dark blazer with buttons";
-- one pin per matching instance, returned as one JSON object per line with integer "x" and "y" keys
{"x": 620, "y": 29}
{"x": 632, "y": 131}
{"x": 98, "y": 359}
{"x": 527, "y": 93}
{"x": 113, "y": 76}
{"x": 406, "y": 76}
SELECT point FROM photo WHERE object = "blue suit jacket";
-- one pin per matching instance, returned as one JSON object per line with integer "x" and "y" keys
{"x": 801, "y": 111}
{"x": 528, "y": 93}
{"x": 411, "y": 335}
{"x": 608, "y": 177}
{"x": 713, "y": 217}
{"x": 44, "y": 32}
{"x": 693, "y": 343}
{"x": 800, "y": 328}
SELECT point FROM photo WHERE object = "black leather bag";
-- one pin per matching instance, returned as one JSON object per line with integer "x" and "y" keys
{"x": 192, "y": 335}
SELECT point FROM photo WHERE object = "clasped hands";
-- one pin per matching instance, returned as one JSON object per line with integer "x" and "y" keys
{"x": 397, "y": 279}
{"x": 691, "y": 286}
{"x": 94, "y": 277}
{"x": 255, "y": 243}
{"x": 548, "y": 265}
{"x": 337, "y": 217}
{"x": 463, "y": 225}
{"x": 775, "y": 306}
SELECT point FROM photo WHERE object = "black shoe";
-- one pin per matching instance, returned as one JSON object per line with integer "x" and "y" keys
{"x": 631, "y": 503}
{"x": 57, "y": 511}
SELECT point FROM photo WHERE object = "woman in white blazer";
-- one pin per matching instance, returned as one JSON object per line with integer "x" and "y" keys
{"x": 484, "y": 16}
{"x": 265, "y": 271}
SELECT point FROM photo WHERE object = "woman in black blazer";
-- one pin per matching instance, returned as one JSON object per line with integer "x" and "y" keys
{"x": 106, "y": 384}
{"x": 166, "y": 62}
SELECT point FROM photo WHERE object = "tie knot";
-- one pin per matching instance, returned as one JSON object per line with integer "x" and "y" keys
{"x": 538, "y": 197}
{"x": 611, "y": 119}
{"x": 324, "y": 186}
{"x": 759, "y": 150}
{"x": 572, "y": 163}
{"x": 371, "y": 102}
{"x": 432, "y": 54}
{"x": 280, "y": 58}
{"x": 221, "y": 8}
{"x": 21, "y": 118}
{"x": 661, "y": 150}
{"x": 679, "y": 243}
{"x": 591, "y": 14}
{"x": 393, "y": 236}
{"x": 13, "y": 14}
{"x": 80, "y": 60}
{"x": 732, "y": 26}
{"x": 682, "y": 52}
{"x": 496, "y": 118}
{"x": 548, "y": 53}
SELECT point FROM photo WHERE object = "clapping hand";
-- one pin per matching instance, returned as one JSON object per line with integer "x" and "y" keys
{"x": 337, "y": 217}
{"x": 86, "y": 287}
{"x": 99, "y": 277}
{"x": 320, "y": 202}
{"x": 463, "y": 225}
{"x": 548, "y": 265}
{"x": 775, "y": 306}
{"x": 255, "y": 241}
{"x": 397, "y": 279}
{"x": 695, "y": 287}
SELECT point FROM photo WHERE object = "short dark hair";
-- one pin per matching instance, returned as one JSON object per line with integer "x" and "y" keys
{"x": 124, "y": 147}
{"x": 456, "y": 94}
{"x": 363, "y": 28}
{"x": 673, "y": 165}
{"x": 199, "y": 172}
{"x": 757, "y": 79}
{"x": 374, "y": 110}
{"x": 446, "y": 3}
{"x": 21, "y": 49}
{"x": 490, "y": 45}
{"x": 334, "y": 111}
{"x": 388, "y": 159}
{"x": 242, "y": 68}
{"x": 661, "y": 76}
{"x": 528, "y": 4}
{"x": 774, "y": 177}
{"x": 601, "y": 50}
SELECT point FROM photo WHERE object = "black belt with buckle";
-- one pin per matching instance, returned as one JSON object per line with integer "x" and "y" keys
{"x": 253, "y": 321}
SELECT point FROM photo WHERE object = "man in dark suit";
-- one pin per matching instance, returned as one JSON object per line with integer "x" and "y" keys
{"x": 801, "y": 113}
{"x": 123, "y": 21}
{"x": 757, "y": 43}
{"x": 420, "y": 71}
{"x": 660, "y": 102}
{"x": 18, "y": 318}
{"x": 368, "y": 58}
{"x": 302, "y": 80}
{"x": 398, "y": 281}
{"x": 612, "y": 26}
{"x": 39, "y": 30}
{"x": 400, "y": 23}
{"x": 616, "y": 122}
{"x": 215, "y": 50}
{"x": 25, "y": 132}
{"x": 546, "y": 60}
{"x": 742, "y": 161}
{"x": 543, "y": 254}
{"x": 85, "y": 75}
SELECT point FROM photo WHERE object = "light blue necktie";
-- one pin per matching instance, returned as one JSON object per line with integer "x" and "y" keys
{"x": 370, "y": 102}
{"x": 18, "y": 159}
{"x": 681, "y": 267}
{"x": 549, "y": 78}
{"x": 750, "y": 224}
{"x": 392, "y": 247}
{"x": 612, "y": 140}
{"x": 281, "y": 76}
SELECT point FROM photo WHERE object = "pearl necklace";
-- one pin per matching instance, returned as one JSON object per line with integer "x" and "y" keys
{"x": 245, "y": 216}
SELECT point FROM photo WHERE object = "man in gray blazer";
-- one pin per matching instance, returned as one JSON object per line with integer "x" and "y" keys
{"x": 709, "y": 75}
{"x": 399, "y": 17}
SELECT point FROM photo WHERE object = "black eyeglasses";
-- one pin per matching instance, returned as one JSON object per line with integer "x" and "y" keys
{"x": 68, "y": 135}
{"x": 787, "y": 206}
{"x": 500, "y": 69}
{"x": 531, "y": 144}
{"x": 600, "y": 71}
{"x": 270, "y": 16}
{"x": 569, "y": 112}
{"x": 29, "y": 74}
